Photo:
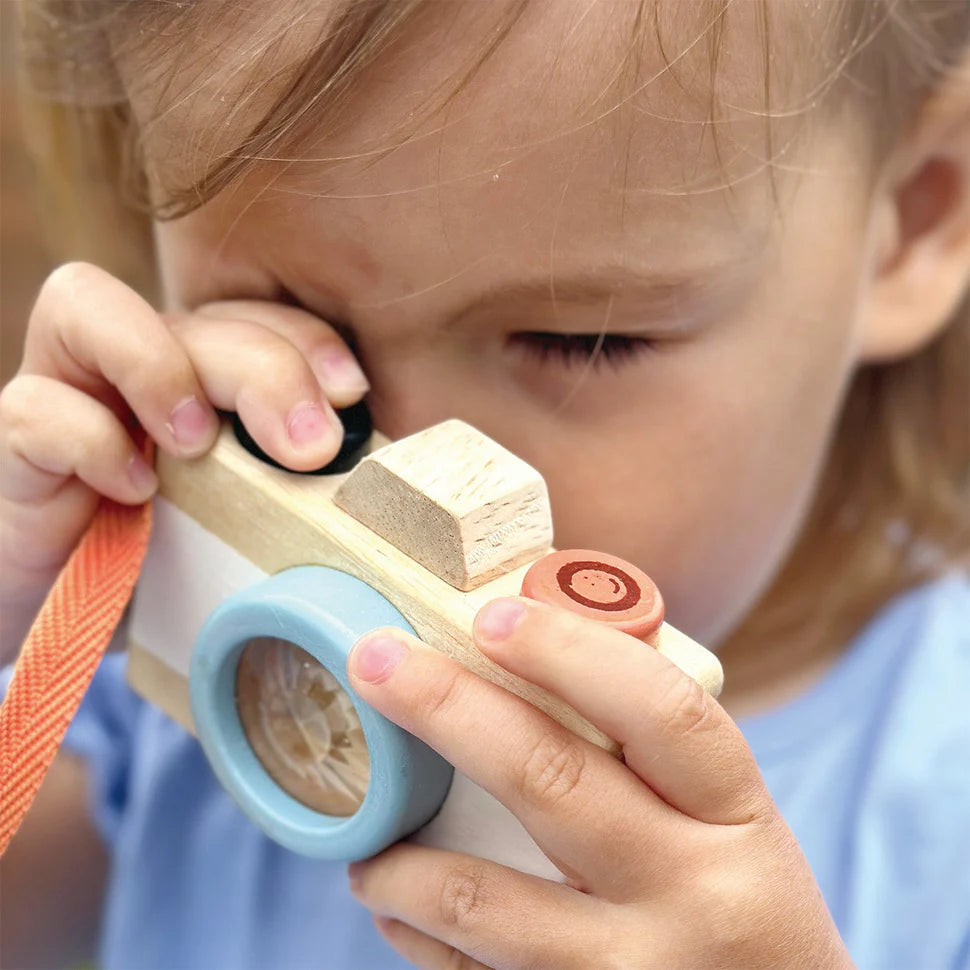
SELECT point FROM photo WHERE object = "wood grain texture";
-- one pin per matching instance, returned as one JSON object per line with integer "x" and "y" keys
{"x": 278, "y": 520}
{"x": 453, "y": 500}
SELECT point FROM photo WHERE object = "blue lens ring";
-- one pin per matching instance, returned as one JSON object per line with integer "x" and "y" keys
{"x": 324, "y": 612}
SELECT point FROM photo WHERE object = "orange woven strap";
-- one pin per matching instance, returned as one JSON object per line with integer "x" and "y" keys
{"x": 62, "y": 652}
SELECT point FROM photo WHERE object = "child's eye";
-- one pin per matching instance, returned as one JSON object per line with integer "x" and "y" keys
{"x": 580, "y": 348}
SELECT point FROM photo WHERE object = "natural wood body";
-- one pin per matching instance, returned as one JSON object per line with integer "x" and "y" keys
{"x": 453, "y": 500}
{"x": 277, "y": 519}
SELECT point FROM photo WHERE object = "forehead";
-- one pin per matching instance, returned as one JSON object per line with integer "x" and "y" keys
{"x": 565, "y": 126}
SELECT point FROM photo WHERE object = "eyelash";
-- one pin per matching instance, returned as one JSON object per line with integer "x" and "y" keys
{"x": 572, "y": 349}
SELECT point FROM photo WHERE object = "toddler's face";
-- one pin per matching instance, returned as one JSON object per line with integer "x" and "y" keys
{"x": 468, "y": 263}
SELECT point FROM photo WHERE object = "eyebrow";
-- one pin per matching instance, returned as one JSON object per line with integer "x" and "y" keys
{"x": 716, "y": 288}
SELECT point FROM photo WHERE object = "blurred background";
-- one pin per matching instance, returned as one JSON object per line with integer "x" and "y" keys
{"x": 24, "y": 259}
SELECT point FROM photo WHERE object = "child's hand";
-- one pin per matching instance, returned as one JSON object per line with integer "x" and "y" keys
{"x": 95, "y": 355}
{"x": 675, "y": 858}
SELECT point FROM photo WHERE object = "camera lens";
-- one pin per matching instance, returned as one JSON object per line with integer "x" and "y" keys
{"x": 302, "y": 726}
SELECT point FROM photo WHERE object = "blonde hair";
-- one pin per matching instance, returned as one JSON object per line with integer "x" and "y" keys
{"x": 893, "y": 505}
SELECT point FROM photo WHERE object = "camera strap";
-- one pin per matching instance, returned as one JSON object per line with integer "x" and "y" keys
{"x": 63, "y": 649}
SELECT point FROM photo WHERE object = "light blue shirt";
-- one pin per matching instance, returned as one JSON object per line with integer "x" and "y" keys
{"x": 871, "y": 768}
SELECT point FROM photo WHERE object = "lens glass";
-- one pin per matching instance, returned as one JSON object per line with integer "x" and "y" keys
{"x": 302, "y": 726}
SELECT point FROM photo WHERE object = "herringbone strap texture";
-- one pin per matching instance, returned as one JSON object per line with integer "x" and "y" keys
{"x": 63, "y": 649}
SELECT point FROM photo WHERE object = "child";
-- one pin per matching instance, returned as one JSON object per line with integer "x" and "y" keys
{"x": 701, "y": 264}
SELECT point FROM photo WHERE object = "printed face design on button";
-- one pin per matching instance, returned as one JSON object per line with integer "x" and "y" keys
{"x": 599, "y": 586}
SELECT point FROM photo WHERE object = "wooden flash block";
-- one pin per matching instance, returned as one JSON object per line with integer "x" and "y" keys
{"x": 454, "y": 501}
{"x": 439, "y": 523}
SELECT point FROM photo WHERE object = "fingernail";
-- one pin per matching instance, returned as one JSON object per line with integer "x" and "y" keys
{"x": 189, "y": 423}
{"x": 339, "y": 371}
{"x": 141, "y": 475}
{"x": 497, "y": 620}
{"x": 307, "y": 423}
{"x": 375, "y": 658}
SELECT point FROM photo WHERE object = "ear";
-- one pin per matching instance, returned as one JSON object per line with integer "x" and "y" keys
{"x": 922, "y": 228}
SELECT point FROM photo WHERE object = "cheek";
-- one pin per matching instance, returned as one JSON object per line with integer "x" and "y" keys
{"x": 701, "y": 476}
{"x": 707, "y": 494}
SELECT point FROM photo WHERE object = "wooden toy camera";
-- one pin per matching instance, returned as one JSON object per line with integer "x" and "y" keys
{"x": 258, "y": 581}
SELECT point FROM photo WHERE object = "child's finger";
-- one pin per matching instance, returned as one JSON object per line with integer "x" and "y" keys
{"x": 425, "y": 952}
{"x": 490, "y": 912}
{"x": 675, "y": 736}
{"x": 50, "y": 431}
{"x": 248, "y": 368}
{"x": 329, "y": 357}
{"x": 93, "y": 332}
{"x": 554, "y": 782}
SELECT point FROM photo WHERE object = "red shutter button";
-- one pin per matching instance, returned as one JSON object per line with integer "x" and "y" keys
{"x": 599, "y": 586}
